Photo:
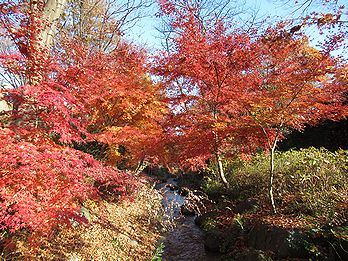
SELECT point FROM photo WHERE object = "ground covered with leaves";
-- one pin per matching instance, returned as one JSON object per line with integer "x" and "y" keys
{"x": 125, "y": 230}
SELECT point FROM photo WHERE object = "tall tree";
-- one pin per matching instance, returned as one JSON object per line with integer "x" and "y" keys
{"x": 26, "y": 35}
{"x": 52, "y": 11}
{"x": 206, "y": 76}
{"x": 297, "y": 87}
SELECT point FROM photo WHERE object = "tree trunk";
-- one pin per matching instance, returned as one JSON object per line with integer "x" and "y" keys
{"x": 271, "y": 177}
{"x": 49, "y": 18}
{"x": 219, "y": 160}
{"x": 51, "y": 14}
{"x": 221, "y": 170}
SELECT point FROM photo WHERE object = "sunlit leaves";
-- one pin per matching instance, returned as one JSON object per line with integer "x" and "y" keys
{"x": 44, "y": 184}
{"x": 43, "y": 180}
{"x": 235, "y": 91}
{"x": 207, "y": 75}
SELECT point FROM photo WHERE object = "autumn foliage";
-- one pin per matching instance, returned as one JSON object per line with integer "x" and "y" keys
{"x": 207, "y": 76}
{"x": 234, "y": 91}
{"x": 224, "y": 92}
{"x": 42, "y": 184}
{"x": 68, "y": 95}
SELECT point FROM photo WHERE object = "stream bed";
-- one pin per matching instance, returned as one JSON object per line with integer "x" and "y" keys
{"x": 186, "y": 240}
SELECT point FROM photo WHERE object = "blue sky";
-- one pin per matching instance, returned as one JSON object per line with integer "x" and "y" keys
{"x": 145, "y": 33}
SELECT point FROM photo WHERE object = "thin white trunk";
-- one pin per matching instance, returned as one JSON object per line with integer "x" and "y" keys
{"x": 271, "y": 177}
{"x": 221, "y": 170}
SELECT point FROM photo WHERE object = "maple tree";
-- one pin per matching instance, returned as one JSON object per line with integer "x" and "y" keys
{"x": 206, "y": 77}
{"x": 44, "y": 184}
{"x": 297, "y": 87}
{"x": 70, "y": 95}
{"x": 123, "y": 105}
{"x": 323, "y": 92}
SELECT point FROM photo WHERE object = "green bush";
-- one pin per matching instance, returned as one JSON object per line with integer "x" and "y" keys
{"x": 307, "y": 181}
{"x": 316, "y": 179}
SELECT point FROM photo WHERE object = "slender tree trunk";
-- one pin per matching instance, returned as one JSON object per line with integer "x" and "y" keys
{"x": 221, "y": 170}
{"x": 271, "y": 177}
{"x": 218, "y": 156}
{"x": 219, "y": 160}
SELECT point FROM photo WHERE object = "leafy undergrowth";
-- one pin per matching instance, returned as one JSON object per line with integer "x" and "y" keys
{"x": 309, "y": 183}
{"x": 310, "y": 190}
{"x": 125, "y": 230}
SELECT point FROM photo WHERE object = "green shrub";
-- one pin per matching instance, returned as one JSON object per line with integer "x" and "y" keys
{"x": 317, "y": 179}
{"x": 307, "y": 181}
{"x": 246, "y": 177}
